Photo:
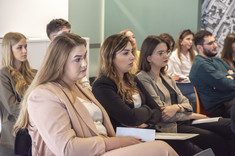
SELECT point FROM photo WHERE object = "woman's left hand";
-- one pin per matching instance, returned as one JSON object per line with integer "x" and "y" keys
{"x": 168, "y": 112}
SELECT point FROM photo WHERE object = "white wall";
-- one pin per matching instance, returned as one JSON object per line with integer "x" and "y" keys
{"x": 30, "y": 17}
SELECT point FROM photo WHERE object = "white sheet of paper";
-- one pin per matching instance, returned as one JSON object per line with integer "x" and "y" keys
{"x": 174, "y": 136}
{"x": 207, "y": 120}
{"x": 139, "y": 133}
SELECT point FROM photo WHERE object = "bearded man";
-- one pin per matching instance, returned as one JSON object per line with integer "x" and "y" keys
{"x": 212, "y": 77}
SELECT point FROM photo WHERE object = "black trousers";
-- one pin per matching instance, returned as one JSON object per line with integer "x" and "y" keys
{"x": 184, "y": 147}
{"x": 215, "y": 135}
{"x": 223, "y": 109}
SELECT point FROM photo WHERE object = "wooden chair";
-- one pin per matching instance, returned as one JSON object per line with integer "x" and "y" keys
{"x": 200, "y": 108}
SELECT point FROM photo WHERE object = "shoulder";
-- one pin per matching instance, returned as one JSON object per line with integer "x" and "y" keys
{"x": 45, "y": 92}
{"x": 5, "y": 74}
{"x": 219, "y": 60}
{"x": 174, "y": 54}
{"x": 4, "y": 71}
{"x": 103, "y": 82}
{"x": 142, "y": 74}
{"x": 199, "y": 60}
{"x": 45, "y": 89}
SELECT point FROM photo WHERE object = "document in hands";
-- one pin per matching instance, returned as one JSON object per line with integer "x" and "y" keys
{"x": 139, "y": 133}
{"x": 207, "y": 120}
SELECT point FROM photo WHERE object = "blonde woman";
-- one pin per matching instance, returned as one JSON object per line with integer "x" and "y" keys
{"x": 15, "y": 77}
{"x": 64, "y": 118}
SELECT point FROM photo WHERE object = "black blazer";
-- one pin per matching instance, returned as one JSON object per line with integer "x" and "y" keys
{"x": 121, "y": 112}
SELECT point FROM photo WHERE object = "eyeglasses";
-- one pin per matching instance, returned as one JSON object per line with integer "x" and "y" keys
{"x": 162, "y": 52}
{"x": 210, "y": 43}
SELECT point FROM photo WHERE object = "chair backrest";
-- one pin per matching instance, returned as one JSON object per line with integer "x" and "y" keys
{"x": 23, "y": 143}
{"x": 200, "y": 108}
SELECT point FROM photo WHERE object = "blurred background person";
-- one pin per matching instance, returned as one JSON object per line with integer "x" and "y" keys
{"x": 136, "y": 53}
{"x": 170, "y": 40}
{"x": 180, "y": 63}
{"x": 228, "y": 52}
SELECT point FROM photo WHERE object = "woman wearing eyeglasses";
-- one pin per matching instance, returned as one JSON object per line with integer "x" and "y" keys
{"x": 180, "y": 63}
{"x": 177, "y": 113}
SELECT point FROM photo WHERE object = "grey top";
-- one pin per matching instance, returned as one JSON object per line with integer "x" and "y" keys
{"x": 9, "y": 107}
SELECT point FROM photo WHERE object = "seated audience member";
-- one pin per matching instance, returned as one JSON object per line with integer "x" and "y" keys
{"x": 169, "y": 40}
{"x": 64, "y": 118}
{"x": 228, "y": 52}
{"x": 213, "y": 78}
{"x": 123, "y": 96}
{"x": 136, "y": 53}
{"x": 180, "y": 63}
{"x": 176, "y": 110}
{"x": 56, "y": 27}
{"x": 15, "y": 77}
{"x": 118, "y": 90}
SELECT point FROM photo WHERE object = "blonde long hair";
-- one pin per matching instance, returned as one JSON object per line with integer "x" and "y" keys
{"x": 109, "y": 48}
{"x": 22, "y": 78}
{"x": 51, "y": 70}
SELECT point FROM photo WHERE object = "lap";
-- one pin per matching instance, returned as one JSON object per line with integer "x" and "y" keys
{"x": 220, "y": 130}
{"x": 223, "y": 126}
{"x": 152, "y": 148}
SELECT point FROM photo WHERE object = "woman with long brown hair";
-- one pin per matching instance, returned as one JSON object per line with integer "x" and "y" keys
{"x": 228, "y": 52}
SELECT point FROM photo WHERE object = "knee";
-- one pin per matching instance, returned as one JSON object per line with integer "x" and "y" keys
{"x": 162, "y": 147}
